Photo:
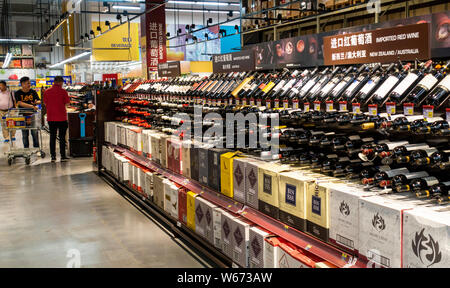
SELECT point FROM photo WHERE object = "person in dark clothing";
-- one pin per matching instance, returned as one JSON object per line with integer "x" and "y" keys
{"x": 56, "y": 100}
{"x": 28, "y": 98}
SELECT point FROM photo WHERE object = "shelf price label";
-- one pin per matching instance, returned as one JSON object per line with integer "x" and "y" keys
{"x": 306, "y": 107}
{"x": 447, "y": 114}
{"x": 373, "y": 109}
{"x": 408, "y": 109}
{"x": 219, "y": 102}
{"x": 285, "y": 104}
{"x": 356, "y": 108}
{"x": 329, "y": 106}
{"x": 252, "y": 102}
{"x": 343, "y": 106}
{"x": 237, "y": 101}
{"x": 230, "y": 101}
{"x": 428, "y": 111}
{"x": 259, "y": 102}
{"x": 268, "y": 104}
{"x": 391, "y": 108}
{"x": 276, "y": 103}
{"x": 295, "y": 104}
{"x": 244, "y": 102}
{"x": 214, "y": 102}
{"x": 316, "y": 105}
{"x": 204, "y": 101}
{"x": 209, "y": 102}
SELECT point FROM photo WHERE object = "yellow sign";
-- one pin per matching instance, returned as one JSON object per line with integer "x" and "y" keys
{"x": 120, "y": 48}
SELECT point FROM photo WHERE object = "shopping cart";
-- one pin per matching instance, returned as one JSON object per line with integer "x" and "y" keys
{"x": 23, "y": 119}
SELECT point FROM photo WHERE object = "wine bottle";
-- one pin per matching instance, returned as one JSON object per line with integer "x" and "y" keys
{"x": 383, "y": 179}
{"x": 422, "y": 184}
{"x": 416, "y": 154}
{"x": 358, "y": 83}
{"x": 311, "y": 96}
{"x": 312, "y": 83}
{"x": 380, "y": 95}
{"x": 438, "y": 191}
{"x": 324, "y": 92}
{"x": 348, "y": 80}
{"x": 401, "y": 182}
{"x": 434, "y": 160}
{"x": 304, "y": 79}
{"x": 375, "y": 80}
{"x": 367, "y": 175}
{"x": 418, "y": 94}
{"x": 439, "y": 94}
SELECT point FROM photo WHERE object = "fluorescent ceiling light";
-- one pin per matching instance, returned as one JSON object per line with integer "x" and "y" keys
{"x": 198, "y": 3}
{"x": 120, "y": 7}
{"x": 19, "y": 40}
{"x": 129, "y": 64}
{"x": 7, "y": 61}
{"x": 70, "y": 59}
{"x": 196, "y": 11}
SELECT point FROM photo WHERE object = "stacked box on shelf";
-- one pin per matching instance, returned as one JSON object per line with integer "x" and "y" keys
{"x": 380, "y": 225}
{"x": 174, "y": 155}
{"x": 194, "y": 162}
{"x": 238, "y": 179}
{"x": 182, "y": 205}
{"x": 227, "y": 220}
{"x": 217, "y": 227}
{"x": 214, "y": 168}
{"x": 203, "y": 171}
{"x": 124, "y": 167}
{"x": 258, "y": 247}
{"x": 227, "y": 177}
{"x": 240, "y": 240}
{"x": 186, "y": 160}
{"x": 204, "y": 222}
{"x": 171, "y": 198}
{"x": 155, "y": 139}
{"x": 426, "y": 235}
{"x": 271, "y": 252}
{"x": 158, "y": 190}
{"x": 292, "y": 198}
{"x": 190, "y": 210}
{"x": 317, "y": 206}
{"x": 289, "y": 256}
{"x": 146, "y": 142}
{"x": 149, "y": 184}
{"x": 251, "y": 183}
{"x": 164, "y": 145}
{"x": 268, "y": 188}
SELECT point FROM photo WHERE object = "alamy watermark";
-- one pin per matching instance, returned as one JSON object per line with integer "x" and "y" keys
{"x": 74, "y": 256}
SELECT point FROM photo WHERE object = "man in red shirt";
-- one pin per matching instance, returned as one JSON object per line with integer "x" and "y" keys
{"x": 56, "y": 99}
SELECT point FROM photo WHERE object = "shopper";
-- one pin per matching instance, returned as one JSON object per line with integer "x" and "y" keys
{"x": 29, "y": 99}
{"x": 56, "y": 99}
{"x": 6, "y": 102}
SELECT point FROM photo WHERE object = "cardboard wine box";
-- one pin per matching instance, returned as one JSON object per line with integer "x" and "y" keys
{"x": 164, "y": 145}
{"x": 317, "y": 206}
{"x": 240, "y": 241}
{"x": 257, "y": 246}
{"x": 239, "y": 179}
{"x": 171, "y": 198}
{"x": 158, "y": 190}
{"x": 290, "y": 257}
{"x": 186, "y": 159}
{"x": 252, "y": 182}
{"x": 141, "y": 186}
{"x": 124, "y": 167}
{"x": 426, "y": 235}
{"x": 203, "y": 171}
{"x": 174, "y": 156}
{"x": 214, "y": 167}
{"x": 194, "y": 163}
{"x": 268, "y": 188}
{"x": 146, "y": 142}
{"x": 190, "y": 207}
{"x": 204, "y": 222}
{"x": 227, "y": 220}
{"x": 271, "y": 252}
{"x": 227, "y": 177}
{"x": 149, "y": 184}
{"x": 182, "y": 205}
{"x": 217, "y": 227}
{"x": 156, "y": 147}
{"x": 380, "y": 225}
{"x": 292, "y": 199}
{"x": 344, "y": 215}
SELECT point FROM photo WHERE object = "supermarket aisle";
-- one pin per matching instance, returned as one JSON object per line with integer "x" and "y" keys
{"x": 50, "y": 211}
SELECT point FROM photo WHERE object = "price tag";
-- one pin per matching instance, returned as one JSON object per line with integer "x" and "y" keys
{"x": 230, "y": 101}
{"x": 295, "y": 104}
{"x": 391, "y": 108}
{"x": 252, "y": 102}
{"x": 316, "y": 106}
{"x": 373, "y": 109}
{"x": 268, "y": 104}
{"x": 204, "y": 101}
{"x": 244, "y": 102}
{"x": 343, "y": 106}
{"x": 237, "y": 101}
{"x": 259, "y": 102}
{"x": 276, "y": 103}
{"x": 447, "y": 114}
{"x": 285, "y": 104}
{"x": 356, "y": 108}
{"x": 219, "y": 102}
{"x": 214, "y": 103}
{"x": 428, "y": 111}
{"x": 306, "y": 107}
{"x": 329, "y": 106}
{"x": 408, "y": 109}
{"x": 209, "y": 102}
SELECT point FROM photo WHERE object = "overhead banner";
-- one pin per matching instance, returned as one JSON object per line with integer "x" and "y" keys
{"x": 154, "y": 32}
{"x": 405, "y": 43}
{"x": 117, "y": 44}
{"x": 169, "y": 69}
{"x": 234, "y": 62}
{"x": 308, "y": 50}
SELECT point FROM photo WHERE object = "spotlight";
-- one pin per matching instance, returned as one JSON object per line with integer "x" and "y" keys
{"x": 179, "y": 31}
{"x": 192, "y": 26}
{"x": 236, "y": 27}
{"x": 57, "y": 43}
{"x": 194, "y": 39}
{"x": 210, "y": 20}
{"x": 230, "y": 13}
{"x": 92, "y": 32}
{"x": 167, "y": 34}
{"x": 99, "y": 29}
{"x": 187, "y": 27}
{"x": 86, "y": 35}
{"x": 82, "y": 38}
{"x": 119, "y": 17}
{"x": 206, "y": 36}
{"x": 107, "y": 23}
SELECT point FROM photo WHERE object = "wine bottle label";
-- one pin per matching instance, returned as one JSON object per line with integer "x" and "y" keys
{"x": 237, "y": 101}
{"x": 445, "y": 83}
{"x": 431, "y": 181}
{"x": 392, "y": 145}
{"x": 395, "y": 172}
{"x": 328, "y": 87}
{"x": 289, "y": 85}
{"x": 368, "y": 87}
{"x": 406, "y": 83}
{"x": 339, "y": 87}
{"x": 308, "y": 86}
{"x": 294, "y": 90}
{"x": 430, "y": 151}
{"x": 386, "y": 87}
{"x": 428, "y": 82}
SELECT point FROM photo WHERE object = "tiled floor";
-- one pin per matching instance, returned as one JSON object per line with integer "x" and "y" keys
{"x": 52, "y": 212}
